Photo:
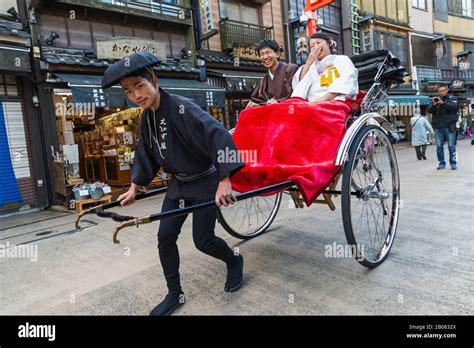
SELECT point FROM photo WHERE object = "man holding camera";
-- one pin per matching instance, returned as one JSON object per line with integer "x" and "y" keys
{"x": 444, "y": 109}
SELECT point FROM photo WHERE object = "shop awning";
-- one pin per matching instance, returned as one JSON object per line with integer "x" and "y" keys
{"x": 88, "y": 89}
{"x": 409, "y": 99}
{"x": 203, "y": 94}
{"x": 15, "y": 59}
{"x": 238, "y": 81}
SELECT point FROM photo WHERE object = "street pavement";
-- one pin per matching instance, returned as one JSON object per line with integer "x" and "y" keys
{"x": 430, "y": 270}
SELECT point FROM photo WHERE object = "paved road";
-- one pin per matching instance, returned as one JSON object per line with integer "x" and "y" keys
{"x": 430, "y": 269}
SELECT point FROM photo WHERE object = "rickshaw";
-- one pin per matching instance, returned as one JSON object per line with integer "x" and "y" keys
{"x": 370, "y": 187}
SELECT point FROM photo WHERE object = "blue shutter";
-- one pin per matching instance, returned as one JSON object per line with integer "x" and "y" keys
{"x": 9, "y": 192}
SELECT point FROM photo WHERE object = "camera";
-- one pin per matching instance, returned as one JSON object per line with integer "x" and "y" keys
{"x": 436, "y": 99}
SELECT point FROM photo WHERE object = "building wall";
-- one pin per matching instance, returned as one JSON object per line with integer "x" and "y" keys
{"x": 455, "y": 26}
{"x": 421, "y": 20}
{"x": 83, "y": 33}
{"x": 267, "y": 21}
{"x": 396, "y": 10}
{"x": 277, "y": 22}
{"x": 215, "y": 41}
{"x": 6, "y": 4}
{"x": 456, "y": 46}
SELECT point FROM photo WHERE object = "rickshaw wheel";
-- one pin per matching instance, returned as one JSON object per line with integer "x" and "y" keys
{"x": 370, "y": 196}
{"x": 251, "y": 217}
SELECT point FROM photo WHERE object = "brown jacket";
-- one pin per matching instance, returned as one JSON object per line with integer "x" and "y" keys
{"x": 278, "y": 88}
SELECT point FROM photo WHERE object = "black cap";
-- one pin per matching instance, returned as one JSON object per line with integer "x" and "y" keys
{"x": 127, "y": 66}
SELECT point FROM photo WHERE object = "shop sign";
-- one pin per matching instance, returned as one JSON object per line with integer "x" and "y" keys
{"x": 209, "y": 98}
{"x": 367, "y": 40}
{"x": 456, "y": 84}
{"x": 246, "y": 51}
{"x": 99, "y": 98}
{"x": 431, "y": 87}
{"x": 118, "y": 48}
{"x": 207, "y": 18}
{"x": 464, "y": 65}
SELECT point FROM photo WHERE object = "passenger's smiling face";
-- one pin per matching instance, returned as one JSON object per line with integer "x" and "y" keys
{"x": 268, "y": 57}
{"x": 321, "y": 46}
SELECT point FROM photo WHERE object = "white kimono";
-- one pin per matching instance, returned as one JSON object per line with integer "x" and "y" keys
{"x": 335, "y": 73}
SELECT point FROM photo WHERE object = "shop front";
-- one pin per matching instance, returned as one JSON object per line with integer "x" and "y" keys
{"x": 98, "y": 129}
{"x": 399, "y": 109}
{"x": 21, "y": 178}
{"x": 238, "y": 72}
{"x": 239, "y": 86}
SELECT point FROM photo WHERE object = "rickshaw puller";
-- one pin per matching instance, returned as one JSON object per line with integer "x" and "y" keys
{"x": 184, "y": 140}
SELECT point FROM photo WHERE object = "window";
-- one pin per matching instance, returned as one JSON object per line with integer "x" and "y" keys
{"x": 296, "y": 9}
{"x": 331, "y": 16}
{"x": 48, "y": 24}
{"x": 300, "y": 47}
{"x": 239, "y": 12}
{"x": 468, "y": 8}
{"x": 398, "y": 45}
{"x": 421, "y": 4}
{"x": 423, "y": 51}
{"x": 461, "y": 7}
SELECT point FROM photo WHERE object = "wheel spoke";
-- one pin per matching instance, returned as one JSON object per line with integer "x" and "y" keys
{"x": 373, "y": 171}
{"x": 251, "y": 217}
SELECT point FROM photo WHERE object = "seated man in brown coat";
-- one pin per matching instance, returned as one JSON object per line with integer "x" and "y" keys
{"x": 276, "y": 84}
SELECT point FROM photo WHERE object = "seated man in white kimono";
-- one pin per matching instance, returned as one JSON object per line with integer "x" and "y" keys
{"x": 325, "y": 76}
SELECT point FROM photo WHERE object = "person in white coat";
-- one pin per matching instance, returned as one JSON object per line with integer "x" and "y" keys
{"x": 419, "y": 138}
{"x": 325, "y": 76}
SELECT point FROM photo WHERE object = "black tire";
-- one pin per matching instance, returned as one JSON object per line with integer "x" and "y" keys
{"x": 371, "y": 180}
{"x": 241, "y": 219}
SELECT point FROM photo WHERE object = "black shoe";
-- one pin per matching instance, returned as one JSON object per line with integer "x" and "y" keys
{"x": 171, "y": 302}
{"x": 235, "y": 274}
{"x": 424, "y": 157}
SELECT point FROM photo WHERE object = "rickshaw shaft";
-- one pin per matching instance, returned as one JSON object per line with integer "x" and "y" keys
{"x": 183, "y": 211}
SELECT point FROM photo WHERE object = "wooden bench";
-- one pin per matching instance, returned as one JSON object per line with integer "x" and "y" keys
{"x": 80, "y": 204}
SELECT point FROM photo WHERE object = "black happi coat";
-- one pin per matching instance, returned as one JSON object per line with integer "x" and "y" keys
{"x": 182, "y": 138}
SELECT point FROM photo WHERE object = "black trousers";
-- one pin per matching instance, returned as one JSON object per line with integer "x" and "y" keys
{"x": 420, "y": 151}
{"x": 205, "y": 240}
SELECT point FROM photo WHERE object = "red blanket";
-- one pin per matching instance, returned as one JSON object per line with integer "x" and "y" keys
{"x": 294, "y": 140}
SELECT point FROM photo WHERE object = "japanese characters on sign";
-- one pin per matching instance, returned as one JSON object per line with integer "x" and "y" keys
{"x": 118, "y": 48}
{"x": 246, "y": 51}
{"x": 99, "y": 97}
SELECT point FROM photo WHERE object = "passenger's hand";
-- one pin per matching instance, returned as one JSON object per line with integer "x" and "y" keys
{"x": 224, "y": 195}
{"x": 272, "y": 101}
{"x": 128, "y": 197}
{"x": 251, "y": 104}
{"x": 313, "y": 55}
